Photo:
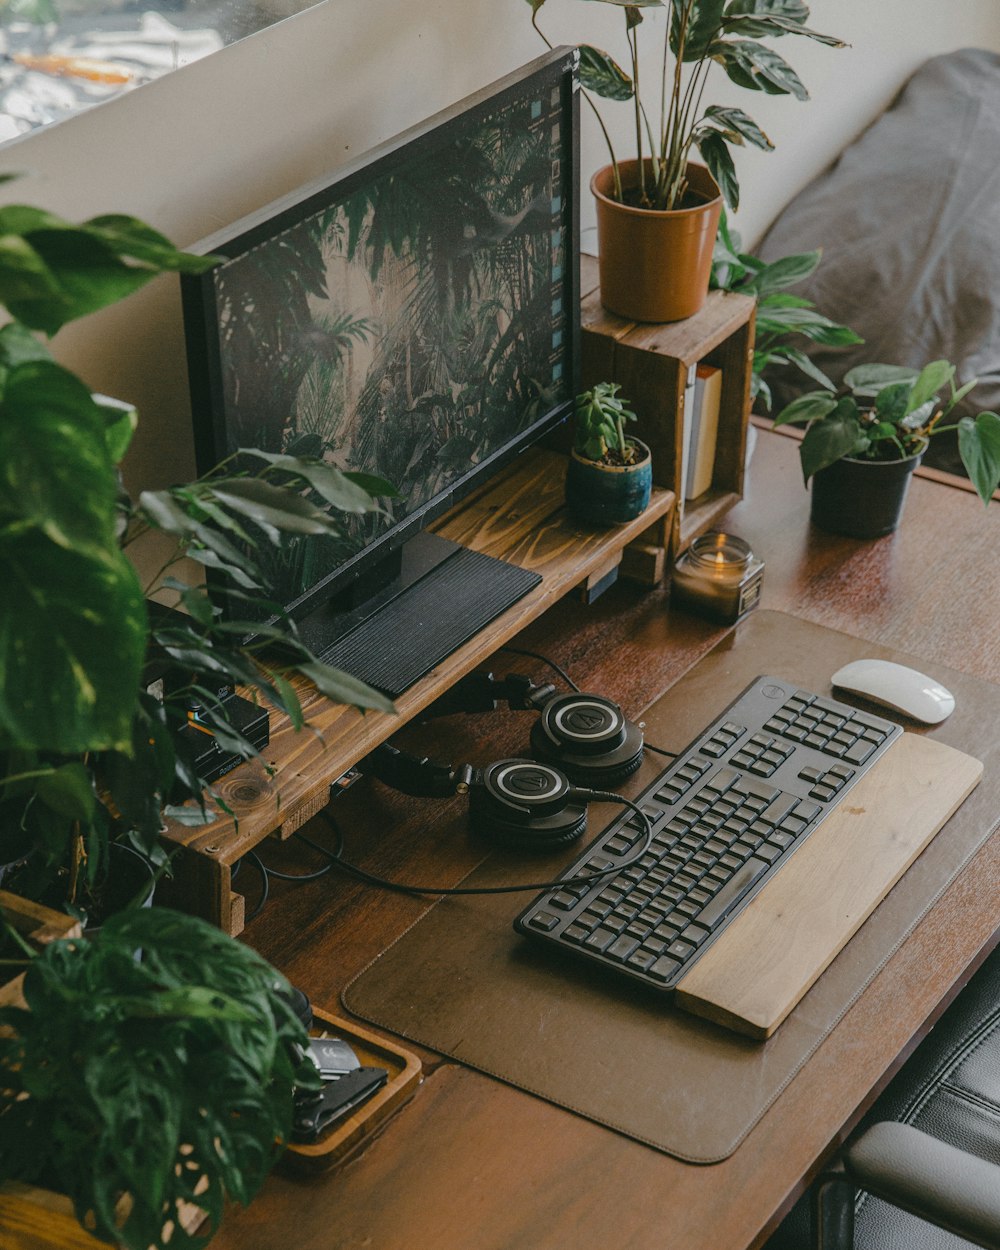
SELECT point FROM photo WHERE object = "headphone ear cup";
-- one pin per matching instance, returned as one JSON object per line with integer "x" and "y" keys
{"x": 589, "y": 739}
{"x": 526, "y": 805}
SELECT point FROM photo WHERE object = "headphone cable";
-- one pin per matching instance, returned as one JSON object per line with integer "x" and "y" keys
{"x": 400, "y": 887}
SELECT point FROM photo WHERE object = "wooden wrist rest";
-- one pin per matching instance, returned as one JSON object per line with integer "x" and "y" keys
{"x": 759, "y": 968}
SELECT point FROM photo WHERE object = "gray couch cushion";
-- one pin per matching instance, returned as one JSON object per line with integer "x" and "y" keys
{"x": 908, "y": 218}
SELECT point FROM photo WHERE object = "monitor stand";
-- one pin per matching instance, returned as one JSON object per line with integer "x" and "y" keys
{"x": 442, "y": 595}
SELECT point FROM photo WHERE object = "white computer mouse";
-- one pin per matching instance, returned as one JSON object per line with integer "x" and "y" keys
{"x": 897, "y": 687}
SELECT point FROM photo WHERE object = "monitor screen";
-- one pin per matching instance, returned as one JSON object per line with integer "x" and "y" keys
{"x": 414, "y": 316}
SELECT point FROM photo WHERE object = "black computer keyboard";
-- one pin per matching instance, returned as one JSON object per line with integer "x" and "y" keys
{"x": 725, "y": 816}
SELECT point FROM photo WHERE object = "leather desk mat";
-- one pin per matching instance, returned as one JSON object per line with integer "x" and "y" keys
{"x": 461, "y": 982}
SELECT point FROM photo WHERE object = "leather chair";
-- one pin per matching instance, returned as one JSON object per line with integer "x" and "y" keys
{"x": 923, "y": 1170}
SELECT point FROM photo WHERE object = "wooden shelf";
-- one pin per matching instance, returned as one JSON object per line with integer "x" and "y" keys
{"x": 651, "y": 362}
{"x": 518, "y": 516}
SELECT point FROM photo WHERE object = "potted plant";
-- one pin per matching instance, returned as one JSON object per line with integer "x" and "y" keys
{"x": 609, "y": 475}
{"x": 91, "y": 753}
{"x": 658, "y": 212}
{"x": 860, "y": 448}
{"x": 149, "y": 1076}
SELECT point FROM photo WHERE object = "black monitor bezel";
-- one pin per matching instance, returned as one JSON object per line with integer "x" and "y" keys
{"x": 201, "y": 314}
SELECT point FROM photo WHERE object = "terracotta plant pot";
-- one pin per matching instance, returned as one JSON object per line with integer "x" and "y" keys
{"x": 861, "y": 498}
{"x": 608, "y": 494}
{"x": 655, "y": 265}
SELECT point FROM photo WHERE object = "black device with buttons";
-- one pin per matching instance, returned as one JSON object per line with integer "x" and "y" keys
{"x": 725, "y": 815}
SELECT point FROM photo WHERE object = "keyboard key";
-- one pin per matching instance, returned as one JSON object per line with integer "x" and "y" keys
{"x": 726, "y": 899}
{"x": 622, "y": 948}
{"x": 664, "y": 968}
{"x": 544, "y": 920}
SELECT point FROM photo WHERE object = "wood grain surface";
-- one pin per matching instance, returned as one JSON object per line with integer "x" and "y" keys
{"x": 470, "y": 1164}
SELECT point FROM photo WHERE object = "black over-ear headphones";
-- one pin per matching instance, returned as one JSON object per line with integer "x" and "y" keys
{"x": 580, "y": 740}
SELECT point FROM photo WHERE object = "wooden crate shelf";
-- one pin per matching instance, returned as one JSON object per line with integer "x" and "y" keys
{"x": 518, "y": 516}
{"x": 651, "y": 362}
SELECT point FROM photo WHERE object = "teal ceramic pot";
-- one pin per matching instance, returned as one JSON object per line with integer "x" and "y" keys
{"x": 605, "y": 494}
{"x": 861, "y": 498}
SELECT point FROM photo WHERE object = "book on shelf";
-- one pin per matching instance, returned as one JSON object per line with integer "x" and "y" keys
{"x": 687, "y": 415}
{"x": 702, "y": 430}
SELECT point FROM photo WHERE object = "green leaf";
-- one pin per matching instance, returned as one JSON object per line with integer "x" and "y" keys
{"x": 792, "y": 10}
{"x": 127, "y": 236}
{"x": 758, "y": 68}
{"x": 343, "y": 688}
{"x": 54, "y": 464}
{"x": 715, "y": 154}
{"x": 702, "y": 29}
{"x": 192, "y": 817}
{"x": 979, "y": 447}
{"x": 601, "y": 74}
{"x": 867, "y": 380}
{"x": 776, "y": 26}
{"x": 120, "y": 423}
{"x": 829, "y": 440}
{"x": 737, "y": 126}
{"x": 18, "y": 346}
{"x": 805, "y": 363}
{"x": 932, "y": 378}
{"x": 811, "y": 407}
{"x": 23, "y": 273}
{"x": 336, "y": 487}
{"x": 373, "y": 485}
{"x": 89, "y": 275}
{"x": 785, "y": 272}
{"x": 891, "y": 403}
{"x": 805, "y": 321}
{"x": 69, "y": 791}
{"x": 275, "y": 510}
{"x": 72, "y": 643}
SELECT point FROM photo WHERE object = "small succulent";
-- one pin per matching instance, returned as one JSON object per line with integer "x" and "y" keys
{"x": 600, "y": 425}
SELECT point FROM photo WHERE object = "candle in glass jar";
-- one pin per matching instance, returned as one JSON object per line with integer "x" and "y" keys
{"x": 719, "y": 577}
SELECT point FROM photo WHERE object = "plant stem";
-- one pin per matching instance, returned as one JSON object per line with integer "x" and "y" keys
{"x": 633, "y": 43}
{"x": 28, "y": 776}
{"x": 615, "y": 171}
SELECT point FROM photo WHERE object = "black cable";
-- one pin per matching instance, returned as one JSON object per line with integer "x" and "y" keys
{"x": 404, "y": 888}
{"x": 535, "y": 655}
{"x": 298, "y": 876}
{"x": 265, "y": 889}
{"x": 670, "y": 755}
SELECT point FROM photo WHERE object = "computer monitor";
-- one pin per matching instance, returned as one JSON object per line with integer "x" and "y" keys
{"x": 414, "y": 316}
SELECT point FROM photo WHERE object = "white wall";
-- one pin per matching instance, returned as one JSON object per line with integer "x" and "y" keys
{"x": 209, "y": 143}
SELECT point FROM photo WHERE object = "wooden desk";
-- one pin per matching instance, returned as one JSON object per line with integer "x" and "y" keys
{"x": 471, "y": 1164}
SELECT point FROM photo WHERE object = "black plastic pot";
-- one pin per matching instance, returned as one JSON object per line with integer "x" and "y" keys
{"x": 861, "y": 498}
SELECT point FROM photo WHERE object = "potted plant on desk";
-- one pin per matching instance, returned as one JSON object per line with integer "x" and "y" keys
{"x": 609, "y": 476}
{"x": 103, "y": 1085}
{"x": 861, "y": 448}
{"x": 657, "y": 213}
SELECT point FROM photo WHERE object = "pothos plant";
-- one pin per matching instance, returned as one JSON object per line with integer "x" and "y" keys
{"x": 696, "y": 35}
{"x": 600, "y": 415}
{"x": 167, "y": 1077}
{"x": 888, "y": 412}
{"x": 782, "y": 318}
{"x": 87, "y": 755}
